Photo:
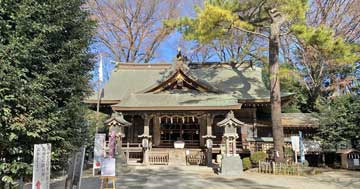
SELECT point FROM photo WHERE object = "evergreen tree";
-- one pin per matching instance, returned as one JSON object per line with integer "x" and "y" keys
{"x": 44, "y": 72}
{"x": 339, "y": 123}
{"x": 264, "y": 19}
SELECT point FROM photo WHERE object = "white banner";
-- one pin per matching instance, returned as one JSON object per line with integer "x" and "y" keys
{"x": 295, "y": 143}
{"x": 108, "y": 167}
{"x": 99, "y": 150}
{"x": 41, "y": 166}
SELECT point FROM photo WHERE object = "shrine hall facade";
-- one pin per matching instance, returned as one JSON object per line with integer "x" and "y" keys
{"x": 166, "y": 103}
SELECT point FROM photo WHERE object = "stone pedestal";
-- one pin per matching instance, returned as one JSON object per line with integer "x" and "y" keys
{"x": 177, "y": 157}
{"x": 231, "y": 166}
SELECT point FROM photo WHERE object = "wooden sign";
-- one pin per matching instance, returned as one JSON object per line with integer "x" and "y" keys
{"x": 108, "y": 167}
{"x": 41, "y": 166}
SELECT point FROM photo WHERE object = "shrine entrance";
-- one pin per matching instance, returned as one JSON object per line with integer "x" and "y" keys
{"x": 185, "y": 129}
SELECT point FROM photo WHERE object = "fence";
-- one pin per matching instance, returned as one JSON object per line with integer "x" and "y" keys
{"x": 280, "y": 168}
{"x": 158, "y": 158}
{"x": 263, "y": 146}
{"x": 133, "y": 152}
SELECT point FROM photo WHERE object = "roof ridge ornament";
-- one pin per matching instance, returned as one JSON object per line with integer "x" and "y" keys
{"x": 180, "y": 61}
{"x": 230, "y": 121}
{"x": 117, "y": 119}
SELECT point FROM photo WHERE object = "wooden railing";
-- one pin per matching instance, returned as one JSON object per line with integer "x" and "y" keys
{"x": 131, "y": 145}
{"x": 158, "y": 158}
{"x": 132, "y": 151}
{"x": 280, "y": 168}
{"x": 263, "y": 146}
{"x": 197, "y": 158}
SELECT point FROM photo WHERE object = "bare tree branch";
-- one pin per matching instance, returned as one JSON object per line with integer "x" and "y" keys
{"x": 132, "y": 30}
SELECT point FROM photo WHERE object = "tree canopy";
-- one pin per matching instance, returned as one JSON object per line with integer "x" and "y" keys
{"x": 44, "y": 72}
{"x": 340, "y": 120}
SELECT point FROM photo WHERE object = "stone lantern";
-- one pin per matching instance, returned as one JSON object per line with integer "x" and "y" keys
{"x": 231, "y": 163}
{"x": 116, "y": 125}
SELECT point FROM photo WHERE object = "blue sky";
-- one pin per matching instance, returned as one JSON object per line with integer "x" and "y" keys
{"x": 165, "y": 53}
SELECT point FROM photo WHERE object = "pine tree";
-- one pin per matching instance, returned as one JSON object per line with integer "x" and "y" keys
{"x": 44, "y": 72}
{"x": 265, "y": 20}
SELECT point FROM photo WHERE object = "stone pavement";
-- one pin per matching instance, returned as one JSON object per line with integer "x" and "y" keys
{"x": 202, "y": 177}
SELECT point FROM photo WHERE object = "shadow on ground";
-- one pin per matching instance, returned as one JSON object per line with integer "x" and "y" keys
{"x": 173, "y": 177}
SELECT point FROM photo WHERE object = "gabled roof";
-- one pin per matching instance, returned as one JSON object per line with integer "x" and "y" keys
{"x": 144, "y": 86}
{"x": 180, "y": 73}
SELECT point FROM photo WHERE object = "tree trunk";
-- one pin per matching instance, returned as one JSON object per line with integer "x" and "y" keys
{"x": 275, "y": 96}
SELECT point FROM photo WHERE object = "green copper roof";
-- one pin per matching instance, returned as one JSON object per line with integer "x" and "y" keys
{"x": 129, "y": 81}
{"x": 188, "y": 100}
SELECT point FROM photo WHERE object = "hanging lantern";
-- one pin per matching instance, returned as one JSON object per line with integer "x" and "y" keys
{"x": 197, "y": 132}
{"x": 160, "y": 120}
{"x": 193, "y": 118}
{"x": 171, "y": 120}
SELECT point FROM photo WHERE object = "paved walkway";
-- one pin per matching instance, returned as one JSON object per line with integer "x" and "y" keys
{"x": 201, "y": 177}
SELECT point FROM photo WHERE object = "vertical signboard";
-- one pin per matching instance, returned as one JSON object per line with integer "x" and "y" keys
{"x": 295, "y": 143}
{"x": 41, "y": 166}
{"x": 73, "y": 180}
{"x": 78, "y": 167}
{"x": 98, "y": 151}
{"x": 302, "y": 149}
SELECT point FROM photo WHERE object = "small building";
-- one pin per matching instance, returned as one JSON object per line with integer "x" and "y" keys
{"x": 349, "y": 158}
{"x": 184, "y": 102}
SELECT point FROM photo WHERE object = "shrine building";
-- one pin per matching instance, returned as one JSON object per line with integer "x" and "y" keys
{"x": 181, "y": 104}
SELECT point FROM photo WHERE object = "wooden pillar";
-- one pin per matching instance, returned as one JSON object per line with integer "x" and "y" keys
{"x": 202, "y": 123}
{"x": 244, "y": 133}
{"x": 156, "y": 131}
{"x": 131, "y": 130}
{"x": 209, "y": 122}
{"x": 254, "y": 132}
{"x": 146, "y": 125}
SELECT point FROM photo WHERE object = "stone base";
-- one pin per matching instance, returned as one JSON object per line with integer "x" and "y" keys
{"x": 177, "y": 157}
{"x": 231, "y": 166}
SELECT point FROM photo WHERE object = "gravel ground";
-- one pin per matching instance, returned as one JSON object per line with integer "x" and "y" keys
{"x": 202, "y": 177}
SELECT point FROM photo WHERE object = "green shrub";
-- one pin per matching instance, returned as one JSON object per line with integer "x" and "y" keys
{"x": 288, "y": 152}
{"x": 258, "y": 156}
{"x": 246, "y": 163}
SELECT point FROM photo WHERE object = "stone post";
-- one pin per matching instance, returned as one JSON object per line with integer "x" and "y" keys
{"x": 146, "y": 140}
{"x": 231, "y": 163}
